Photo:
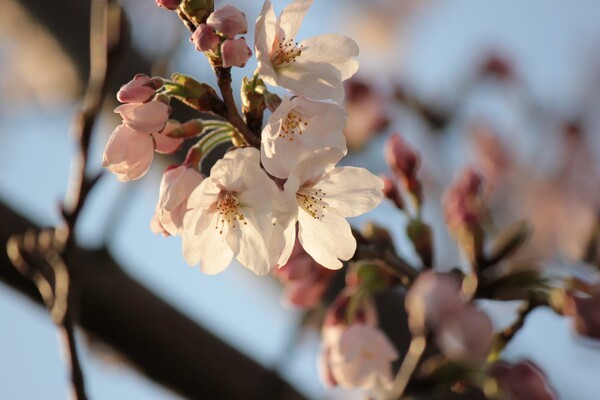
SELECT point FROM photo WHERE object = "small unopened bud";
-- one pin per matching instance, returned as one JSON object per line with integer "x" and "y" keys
{"x": 235, "y": 53}
{"x": 229, "y": 21}
{"x": 168, "y": 4}
{"x": 390, "y": 191}
{"x": 204, "y": 38}
{"x": 584, "y": 308}
{"x": 198, "y": 10}
{"x": 401, "y": 157}
{"x": 192, "y": 127}
{"x": 138, "y": 90}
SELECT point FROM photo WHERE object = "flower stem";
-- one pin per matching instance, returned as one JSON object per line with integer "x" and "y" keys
{"x": 409, "y": 364}
{"x": 224, "y": 82}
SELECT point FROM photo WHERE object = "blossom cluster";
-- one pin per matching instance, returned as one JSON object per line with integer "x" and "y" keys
{"x": 278, "y": 201}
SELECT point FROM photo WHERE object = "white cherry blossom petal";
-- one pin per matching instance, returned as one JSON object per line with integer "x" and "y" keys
{"x": 332, "y": 49}
{"x": 205, "y": 247}
{"x": 350, "y": 190}
{"x": 292, "y": 16}
{"x": 328, "y": 239}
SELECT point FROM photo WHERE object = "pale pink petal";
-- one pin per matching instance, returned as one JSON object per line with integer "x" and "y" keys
{"x": 337, "y": 50}
{"x": 313, "y": 80}
{"x": 260, "y": 243}
{"x": 350, "y": 190}
{"x": 148, "y": 117}
{"x": 327, "y": 240}
{"x": 138, "y": 90}
{"x": 203, "y": 244}
{"x": 128, "y": 153}
{"x": 292, "y": 16}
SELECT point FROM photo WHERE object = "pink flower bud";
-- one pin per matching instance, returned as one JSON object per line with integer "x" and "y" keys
{"x": 164, "y": 142}
{"x": 235, "y": 53}
{"x": 138, "y": 90}
{"x": 148, "y": 117}
{"x": 175, "y": 188}
{"x": 168, "y": 4}
{"x": 522, "y": 381}
{"x": 229, "y": 21}
{"x": 128, "y": 153}
{"x": 584, "y": 308}
{"x": 463, "y": 206}
{"x": 390, "y": 191}
{"x": 401, "y": 157}
{"x": 204, "y": 38}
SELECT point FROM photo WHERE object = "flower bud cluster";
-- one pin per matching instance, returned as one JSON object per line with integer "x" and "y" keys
{"x": 146, "y": 128}
{"x": 217, "y": 39}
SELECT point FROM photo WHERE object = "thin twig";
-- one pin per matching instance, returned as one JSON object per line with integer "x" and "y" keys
{"x": 105, "y": 34}
{"x": 233, "y": 116}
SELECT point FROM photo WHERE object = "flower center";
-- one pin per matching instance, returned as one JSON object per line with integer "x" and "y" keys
{"x": 285, "y": 51}
{"x": 311, "y": 201}
{"x": 228, "y": 207}
{"x": 292, "y": 124}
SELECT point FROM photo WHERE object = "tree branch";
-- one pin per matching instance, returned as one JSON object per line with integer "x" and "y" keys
{"x": 162, "y": 343}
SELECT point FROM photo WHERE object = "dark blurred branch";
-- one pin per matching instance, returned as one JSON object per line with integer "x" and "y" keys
{"x": 157, "y": 339}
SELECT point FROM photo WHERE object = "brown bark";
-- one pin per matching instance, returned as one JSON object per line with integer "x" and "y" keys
{"x": 161, "y": 342}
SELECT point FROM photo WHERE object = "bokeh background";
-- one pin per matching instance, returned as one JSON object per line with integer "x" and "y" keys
{"x": 511, "y": 87}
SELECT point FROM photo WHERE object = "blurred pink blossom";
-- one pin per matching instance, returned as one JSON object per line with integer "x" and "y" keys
{"x": 522, "y": 381}
{"x": 357, "y": 356}
{"x": 466, "y": 335}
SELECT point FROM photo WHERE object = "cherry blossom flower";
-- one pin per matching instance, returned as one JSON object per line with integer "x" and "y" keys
{"x": 235, "y": 52}
{"x": 231, "y": 214}
{"x": 145, "y": 117}
{"x": 357, "y": 356}
{"x": 296, "y": 130}
{"x": 229, "y": 21}
{"x": 129, "y": 153}
{"x": 175, "y": 187}
{"x": 315, "y": 68}
{"x": 138, "y": 90}
{"x": 325, "y": 195}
